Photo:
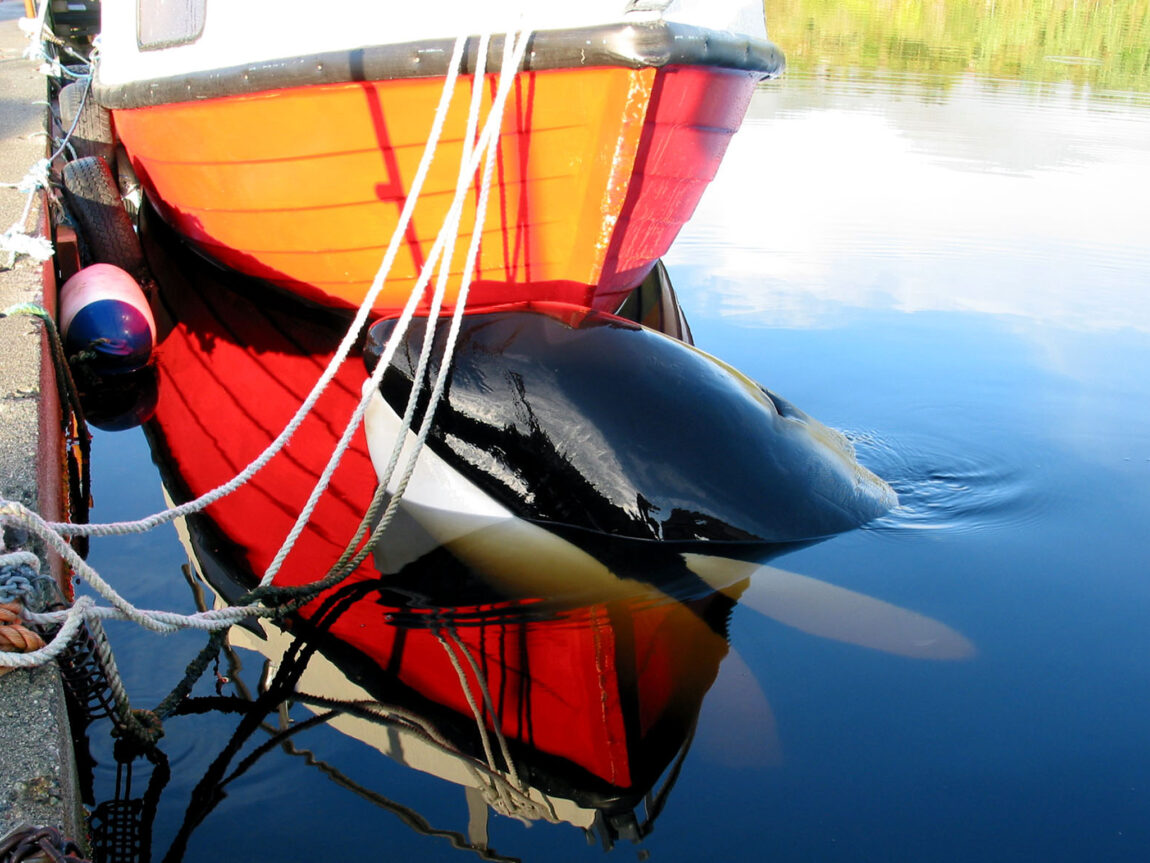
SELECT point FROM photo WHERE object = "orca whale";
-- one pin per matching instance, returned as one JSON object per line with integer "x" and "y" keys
{"x": 573, "y": 419}
{"x": 232, "y": 366}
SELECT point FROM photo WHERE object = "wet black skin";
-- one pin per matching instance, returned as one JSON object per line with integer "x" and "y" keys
{"x": 589, "y": 421}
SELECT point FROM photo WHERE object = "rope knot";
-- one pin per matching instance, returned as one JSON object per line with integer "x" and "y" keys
{"x": 36, "y": 178}
{"x": 15, "y": 243}
{"x": 142, "y": 727}
{"x": 18, "y": 572}
{"x": 15, "y": 637}
{"x": 34, "y": 844}
{"x": 514, "y": 803}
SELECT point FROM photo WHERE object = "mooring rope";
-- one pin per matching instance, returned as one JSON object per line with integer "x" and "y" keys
{"x": 487, "y": 139}
{"x": 16, "y": 240}
{"x": 54, "y": 533}
{"x": 40, "y": 34}
{"x": 440, "y": 256}
{"x": 36, "y": 29}
{"x": 452, "y": 335}
{"x": 349, "y": 561}
{"x": 14, "y": 635}
{"x": 84, "y": 608}
{"x": 509, "y": 795}
{"x": 29, "y": 843}
{"x": 123, "y": 528}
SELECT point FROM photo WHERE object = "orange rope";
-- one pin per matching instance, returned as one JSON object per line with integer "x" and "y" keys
{"x": 14, "y": 636}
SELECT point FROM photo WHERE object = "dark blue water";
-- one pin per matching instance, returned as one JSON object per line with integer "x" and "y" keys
{"x": 957, "y": 281}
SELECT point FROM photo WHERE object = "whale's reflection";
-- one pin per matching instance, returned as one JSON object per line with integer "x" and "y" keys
{"x": 553, "y": 675}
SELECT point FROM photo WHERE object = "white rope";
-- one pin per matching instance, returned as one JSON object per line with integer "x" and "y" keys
{"x": 438, "y": 257}
{"x": 84, "y": 608}
{"x": 452, "y": 340}
{"x": 515, "y": 58}
{"x": 445, "y": 241}
{"x": 57, "y": 645}
{"x": 508, "y": 796}
{"x": 33, "y": 28}
{"x": 53, "y": 534}
{"x": 478, "y": 83}
{"x": 19, "y": 243}
{"x": 38, "y": 33}
{"x": 432, "y": 317}
{"x": 36, "y": 178}
{"x": 16, "y": 240}
{"x": 210, "y": 497}
{"x": 17, "y": 559}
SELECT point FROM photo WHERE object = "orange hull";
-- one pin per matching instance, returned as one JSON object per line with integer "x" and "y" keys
{"x": 598, "y": 169}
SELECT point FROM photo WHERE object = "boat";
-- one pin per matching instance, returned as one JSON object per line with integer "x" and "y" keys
{"x": 283, "y": 141}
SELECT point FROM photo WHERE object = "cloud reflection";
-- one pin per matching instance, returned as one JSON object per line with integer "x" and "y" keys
{"x": 994, "y": 197}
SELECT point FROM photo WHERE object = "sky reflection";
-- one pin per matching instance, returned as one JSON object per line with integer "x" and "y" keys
{"x": 1001, "y": 198}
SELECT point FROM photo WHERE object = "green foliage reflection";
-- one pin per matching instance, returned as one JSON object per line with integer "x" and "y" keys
{"x": 1103, "y": 44}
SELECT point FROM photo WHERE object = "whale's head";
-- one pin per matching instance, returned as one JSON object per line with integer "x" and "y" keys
{"x": 570, "y": 418}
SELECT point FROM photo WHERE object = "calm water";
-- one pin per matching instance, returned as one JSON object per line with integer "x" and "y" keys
{"x": 956, "y": 277}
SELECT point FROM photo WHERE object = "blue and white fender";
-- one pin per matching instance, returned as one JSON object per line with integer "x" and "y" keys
{"x": 573, "y": 420}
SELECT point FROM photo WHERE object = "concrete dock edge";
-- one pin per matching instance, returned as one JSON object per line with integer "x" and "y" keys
{"x": 37, "y": 767}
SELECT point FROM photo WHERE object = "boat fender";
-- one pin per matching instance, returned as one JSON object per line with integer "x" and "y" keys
{"x": 89, "y": 122}
{"x": 105, "y": 318}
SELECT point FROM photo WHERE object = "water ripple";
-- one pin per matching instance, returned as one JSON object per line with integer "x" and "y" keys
{"x": 943, "y": 486}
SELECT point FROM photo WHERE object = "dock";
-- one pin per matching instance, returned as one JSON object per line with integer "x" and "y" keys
{"x": 38, "y": 783}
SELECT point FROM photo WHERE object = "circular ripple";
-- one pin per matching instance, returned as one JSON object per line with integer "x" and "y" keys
{"x": 946, "y": 486}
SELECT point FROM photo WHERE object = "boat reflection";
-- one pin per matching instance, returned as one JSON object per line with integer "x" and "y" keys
{"x": 571, "y": 718}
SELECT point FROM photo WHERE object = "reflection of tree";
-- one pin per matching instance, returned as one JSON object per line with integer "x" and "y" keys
{"x": 1103, "y": 43}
